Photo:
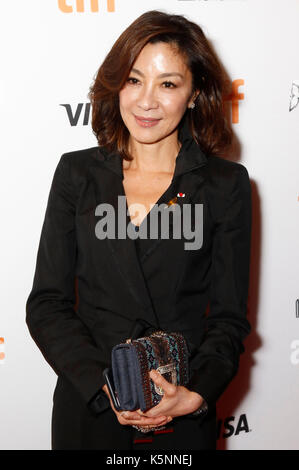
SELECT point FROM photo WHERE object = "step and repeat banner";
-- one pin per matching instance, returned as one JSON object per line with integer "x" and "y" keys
{"x": 51, "y": 51}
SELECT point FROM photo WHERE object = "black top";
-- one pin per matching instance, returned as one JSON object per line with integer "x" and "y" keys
{"x": 137, "y": 240}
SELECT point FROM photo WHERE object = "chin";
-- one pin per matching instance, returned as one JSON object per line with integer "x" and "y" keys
{"x": 148, "y": 137}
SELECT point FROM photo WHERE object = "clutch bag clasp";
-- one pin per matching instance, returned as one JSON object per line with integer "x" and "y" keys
{"x": 166, "y": 369}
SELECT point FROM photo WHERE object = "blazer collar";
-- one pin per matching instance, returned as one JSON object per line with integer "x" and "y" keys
{"x": 189, "y": 157}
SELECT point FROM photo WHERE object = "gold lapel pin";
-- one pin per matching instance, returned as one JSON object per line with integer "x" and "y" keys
{"x": 175, "y": 199}
{"x": 172, "y": 201}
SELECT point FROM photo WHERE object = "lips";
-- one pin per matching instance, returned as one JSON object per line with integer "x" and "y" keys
{"x": 146, "y": 121}
{"x": 143, "y": 118}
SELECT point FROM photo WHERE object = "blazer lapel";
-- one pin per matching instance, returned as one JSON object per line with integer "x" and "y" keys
{"x": 107, "y": 187}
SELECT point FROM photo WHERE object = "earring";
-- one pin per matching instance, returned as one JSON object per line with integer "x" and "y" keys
{"x": 192, "y": 106}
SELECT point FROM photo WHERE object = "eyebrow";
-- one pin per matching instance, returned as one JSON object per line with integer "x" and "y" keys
{"x": 162, "y": 75}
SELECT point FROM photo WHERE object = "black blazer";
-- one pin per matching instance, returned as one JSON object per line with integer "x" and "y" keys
{"x": 202, "y": 293}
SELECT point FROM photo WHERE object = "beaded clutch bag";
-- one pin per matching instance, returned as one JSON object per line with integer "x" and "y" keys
{"x": 131, "y": 362}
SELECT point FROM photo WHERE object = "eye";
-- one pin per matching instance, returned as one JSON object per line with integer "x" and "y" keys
{"x": 169, "y": 85}
{"x": 132, "y": 80}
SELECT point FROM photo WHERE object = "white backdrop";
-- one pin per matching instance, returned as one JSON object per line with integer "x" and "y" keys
{"x": 49, "y": 58}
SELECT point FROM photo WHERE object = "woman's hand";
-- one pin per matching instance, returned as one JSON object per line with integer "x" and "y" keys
{"x": 132, "y": 417}
{"x": 177, "y": 399}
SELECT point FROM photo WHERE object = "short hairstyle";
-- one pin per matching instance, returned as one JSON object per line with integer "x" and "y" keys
{"x": 207, "y": 121}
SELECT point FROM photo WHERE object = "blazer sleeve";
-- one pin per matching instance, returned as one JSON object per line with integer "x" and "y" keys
{"x": 54, "y": 325}
{"x": 216, "y": 361}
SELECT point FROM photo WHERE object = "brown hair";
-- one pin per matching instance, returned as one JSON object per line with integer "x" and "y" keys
{"x": 207, "y": 121}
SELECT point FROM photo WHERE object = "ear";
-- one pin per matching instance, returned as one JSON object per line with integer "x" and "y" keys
{"x": 193, "y": 97}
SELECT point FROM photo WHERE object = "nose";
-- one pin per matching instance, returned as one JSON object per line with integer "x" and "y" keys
{"x": 147, "y": 98}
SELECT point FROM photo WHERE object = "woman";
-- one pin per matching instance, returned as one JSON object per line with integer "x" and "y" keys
{"x": 157, "y": 113}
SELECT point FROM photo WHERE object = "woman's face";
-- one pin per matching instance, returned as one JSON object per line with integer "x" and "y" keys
{"x": 156, "y": 94}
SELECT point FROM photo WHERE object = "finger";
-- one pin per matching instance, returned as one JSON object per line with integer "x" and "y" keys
{"x": 156, "y": 411}
{"x": 165, "y": 421}
{"x": 149, "y": 421}
{"x": 158, "y": 379}
{"x": 133, "y": 416}
{"x": 130, "y": 415}
{"x": 142, "y": 421}
{"x": 138, "y": 414}
{"x": 161, "y": 409}
{"x": 150, "y": 424}
{"x": 141, "y": 413}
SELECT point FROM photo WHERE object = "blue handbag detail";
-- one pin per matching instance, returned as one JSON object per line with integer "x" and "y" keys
{"x": 132, "y": 361}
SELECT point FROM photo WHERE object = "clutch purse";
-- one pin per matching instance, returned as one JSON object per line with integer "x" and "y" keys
{"x": 132, "y": 361}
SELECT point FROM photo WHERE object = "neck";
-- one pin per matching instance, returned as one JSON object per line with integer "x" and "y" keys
{"x": 154, "y": 157}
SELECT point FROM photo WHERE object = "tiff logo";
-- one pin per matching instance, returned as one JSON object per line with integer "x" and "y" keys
{"x": 2, "y": 351}
{"x": 235, "y": 97}
{"x": 67, "y": 6}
